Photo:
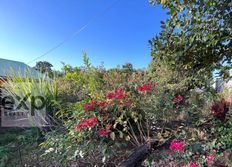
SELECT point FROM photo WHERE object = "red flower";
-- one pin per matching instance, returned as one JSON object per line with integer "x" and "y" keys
{"x": 105, "y": 117}
{"x": 93, "y": 102}
{"x": 86, "y": 123}
{"x": 108, "y": 126}
{"x": 87, "y": 107}
{"x": 210, "y": 158}
{"x": 82, "y": 124}
{"x": 92, "y": 121}
{"x": 110, "y": 95}
{"x": 90, "y": 105}
{"x": 103, "y": 104}
{"x": 104, "y": 131}
{"x": 176, "y": 146}
{"x": 192, "y": 164}
{"x": 117, "y": 94}
{"x": 177, "y": 99}
{"x": 145, "y": 87}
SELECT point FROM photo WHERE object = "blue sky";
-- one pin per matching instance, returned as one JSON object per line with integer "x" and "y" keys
{"x": 29, "y": 28}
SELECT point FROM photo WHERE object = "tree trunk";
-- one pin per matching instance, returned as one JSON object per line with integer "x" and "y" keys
{"x": 136, "y": 158}
{"x": 142, "y": 152}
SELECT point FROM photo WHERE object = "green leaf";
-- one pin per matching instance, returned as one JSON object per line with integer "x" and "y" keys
{"x": 163, "y": 2}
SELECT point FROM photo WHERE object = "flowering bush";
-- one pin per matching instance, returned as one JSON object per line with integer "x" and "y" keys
{"x": 117, "y": 118}
{"x": 128, "y": 111}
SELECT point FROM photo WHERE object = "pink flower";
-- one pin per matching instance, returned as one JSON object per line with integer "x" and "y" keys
{"x": 193, "y": 164}
{"x": 177, "y": 99}
{"x": 210, "y": 158}
{"x": 116, "y": 94}
{"x": 145, "y": 87}
{"x": 176, "y": 146}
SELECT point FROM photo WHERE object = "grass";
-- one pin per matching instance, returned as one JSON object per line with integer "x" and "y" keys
{"x": 19, "y": 147}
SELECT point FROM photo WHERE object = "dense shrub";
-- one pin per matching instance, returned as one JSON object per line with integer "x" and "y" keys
{"x": 127, "y": 111}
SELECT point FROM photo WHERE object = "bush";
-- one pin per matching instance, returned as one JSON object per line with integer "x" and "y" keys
{"x": 127, "y": 112}
{"x": 124, "y": 109}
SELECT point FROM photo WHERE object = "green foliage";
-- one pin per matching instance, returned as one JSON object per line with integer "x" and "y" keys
{"x": 86, "y": 60}
{"x": 128, "y": 67}
{"x": 129, "y": 107}
{"x": 132, "y": 117}
{"x": 68, "y": 90}
{"x": 195, "y": 39}
{"x": 136, "y": 118}
{"x": 87, "y": 78}
{"x": 223, "y": 132}
{"x": 44, "y": 67}
{"x": 19, "y": 147}
{"x": 17, "y": 86}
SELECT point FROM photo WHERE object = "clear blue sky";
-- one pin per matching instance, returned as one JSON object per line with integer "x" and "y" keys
{"x": 28, "y": 28}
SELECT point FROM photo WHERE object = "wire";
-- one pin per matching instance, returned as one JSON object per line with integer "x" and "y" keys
{"x": 73, "y": 35}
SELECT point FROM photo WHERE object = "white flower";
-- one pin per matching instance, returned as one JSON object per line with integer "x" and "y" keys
{"x": 49, "y": 150}
{"x": 81, "y": 154}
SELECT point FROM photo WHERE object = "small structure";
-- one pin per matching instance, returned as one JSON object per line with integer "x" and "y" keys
{"x": 224, "y": 87}
{"x": 20, "y": 69}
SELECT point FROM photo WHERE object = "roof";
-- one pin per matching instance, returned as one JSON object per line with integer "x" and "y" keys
{"x": 10, "y": 68}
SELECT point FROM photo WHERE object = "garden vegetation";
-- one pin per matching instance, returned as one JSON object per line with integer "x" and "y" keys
{"x": 154, "y": 117}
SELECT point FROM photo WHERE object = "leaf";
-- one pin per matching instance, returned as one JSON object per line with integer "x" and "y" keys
{"x": 162, "y": 22}
{"x": 163, "y": 26}
{"x": 127, "y": 138}
{"x": 104, "y": 159}
{"x": 163, "y": 1}
{"x": 86, "y": 60}
{"x": 120, "y": 134}
{"x": 112, "y": 135}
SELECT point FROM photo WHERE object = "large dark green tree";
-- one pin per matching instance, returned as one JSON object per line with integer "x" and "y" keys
{"x": 44, "y": 67}
{"x": 195, "y": 40}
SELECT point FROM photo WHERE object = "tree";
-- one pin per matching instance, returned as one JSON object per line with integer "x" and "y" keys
{"x": 44, "y": 67}
{"x": 195, "y": 40}
{"x": 128, "y": 67}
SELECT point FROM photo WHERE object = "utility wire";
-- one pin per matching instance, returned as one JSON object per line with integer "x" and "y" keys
{"x": 73, "y": 35}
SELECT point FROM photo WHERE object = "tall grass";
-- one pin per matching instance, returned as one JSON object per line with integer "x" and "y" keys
{"x": 20, "y": 86}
